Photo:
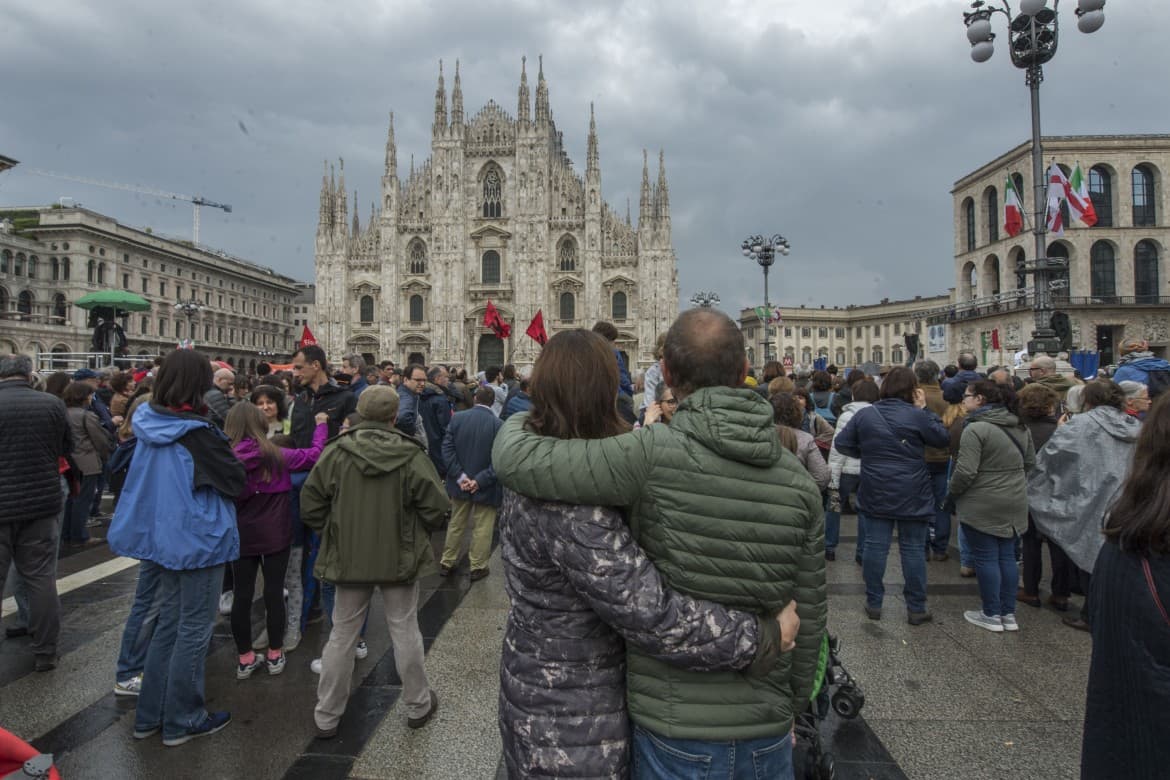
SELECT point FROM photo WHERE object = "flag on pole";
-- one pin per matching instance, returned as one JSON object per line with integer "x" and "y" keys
{"x": 536, "y": 330}
{"x": 1013, "y": 210}
{"x": 493, "y": 320}
{"x": 995, "y": 338}
{"x": 1079, "y": 203}
{"x": 307, "y": 338}
{"x": 768, "y": 315}
{"x": 1057, "y": 191}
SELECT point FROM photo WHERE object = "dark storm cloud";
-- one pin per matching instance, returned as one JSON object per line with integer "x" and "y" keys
{"x": 843, "y": 126}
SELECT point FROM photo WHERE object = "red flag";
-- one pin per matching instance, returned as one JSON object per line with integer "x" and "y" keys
{"x": 995, "y": 338}
{"x": 307, "y": 339}
{"x": 493, "y": 320}
{"x": 536, "y": 329}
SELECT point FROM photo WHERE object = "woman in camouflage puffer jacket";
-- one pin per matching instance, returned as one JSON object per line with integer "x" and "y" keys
{"x": 581, "y": 588}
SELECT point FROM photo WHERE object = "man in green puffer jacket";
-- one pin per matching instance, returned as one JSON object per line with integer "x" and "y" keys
{"x": 727, "y": 514}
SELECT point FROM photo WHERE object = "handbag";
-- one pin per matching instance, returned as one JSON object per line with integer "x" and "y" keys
{"x": 1154, "y": 590}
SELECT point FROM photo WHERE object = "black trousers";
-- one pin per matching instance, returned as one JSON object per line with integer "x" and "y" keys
{"x": 31, "y": 545}
{"x": 1064, "y": 571}
{"x": 244, "y": 573}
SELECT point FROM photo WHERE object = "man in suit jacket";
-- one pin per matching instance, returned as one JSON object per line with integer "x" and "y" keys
{"x": 471, "y": 484}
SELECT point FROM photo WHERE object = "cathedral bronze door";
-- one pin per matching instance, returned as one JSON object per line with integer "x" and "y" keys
{"x": 490, "y": 353}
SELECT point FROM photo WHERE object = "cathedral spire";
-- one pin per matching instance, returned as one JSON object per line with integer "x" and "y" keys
{"x": 629, "y": 220}
{"x": 542, "y": 114}
{"x": 592, "y": 163}
{"x": 326, "y": 213}
{"x": 457, "y": 99}
{"x": 391, "y": 150}
{"x": 663, "y": 194}
{"x": 644, "y": 206}
{"x": 440, "y": 123}
{"x": 357, "y": 226}
{"x": 342, "y": 204}
{"x": 523, "y": 103}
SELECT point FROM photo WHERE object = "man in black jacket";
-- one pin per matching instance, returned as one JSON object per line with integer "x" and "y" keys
{"x": 318, "y": 394}
{"x": 34, "y": 436}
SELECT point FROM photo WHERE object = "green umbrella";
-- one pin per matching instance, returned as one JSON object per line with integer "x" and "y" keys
{"x": 118, "y": 299}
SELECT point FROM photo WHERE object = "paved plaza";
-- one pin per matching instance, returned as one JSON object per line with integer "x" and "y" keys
{"x": 945, "y": 700}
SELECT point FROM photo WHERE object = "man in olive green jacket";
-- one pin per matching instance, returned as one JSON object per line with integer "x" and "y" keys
{"x": 374, "y": 497}
{"x": 727, "y": 514}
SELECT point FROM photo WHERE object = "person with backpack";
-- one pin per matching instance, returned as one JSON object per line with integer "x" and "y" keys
{"x": 822, "y": 396}
{"x": 1138, "y": 364}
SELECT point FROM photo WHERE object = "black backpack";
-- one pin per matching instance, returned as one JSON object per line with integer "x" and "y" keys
{"x": 1157, "y": 381}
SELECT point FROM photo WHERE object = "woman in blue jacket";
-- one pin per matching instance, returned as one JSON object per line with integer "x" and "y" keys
{"x": 895, "y": 490}
{"x": 178, "y": 516}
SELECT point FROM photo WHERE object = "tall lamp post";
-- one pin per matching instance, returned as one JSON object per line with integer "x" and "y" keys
{"x": 190, "y": 307}
{"x": 763, "y": 251}
{"x": 1033, "y": 36}
{"x": 705, "y": 299}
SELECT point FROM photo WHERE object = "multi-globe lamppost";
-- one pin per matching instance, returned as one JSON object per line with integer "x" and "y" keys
{"x": 763, "y": 251}
{"x": 190, "y": 307}
{"x": 705, "y": 299}
{"x": 1033, "y": 36}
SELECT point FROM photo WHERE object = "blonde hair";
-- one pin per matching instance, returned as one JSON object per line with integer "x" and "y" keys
{"x": 246, "y": 421}
{"x": 781, "y": 384}
{"x": 124, "y": 430}
{"x": 952, "y": 413}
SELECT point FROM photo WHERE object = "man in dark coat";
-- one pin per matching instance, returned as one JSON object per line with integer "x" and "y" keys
{"x": 471, "y": 484}
{"x": 435, "y": 407}
{"x": 318, "y": 394}
{"x": 34, "y": 436}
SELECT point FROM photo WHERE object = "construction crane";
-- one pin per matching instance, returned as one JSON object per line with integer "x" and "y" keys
{"x": 195, "y": 200}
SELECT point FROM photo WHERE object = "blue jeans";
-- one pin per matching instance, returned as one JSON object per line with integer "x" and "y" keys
{"x": 879, "y": 532}
{"x": 942, "y": 517}
{"x": 656, "y": 758}
{"x": 996, "y": 570}
{"x": 846, "y": 487}
{"x": 172, "y": 682}
{"x": 78, "y": 513}
{"x": 141, "y": 623}
{"x": 966, "y": 558}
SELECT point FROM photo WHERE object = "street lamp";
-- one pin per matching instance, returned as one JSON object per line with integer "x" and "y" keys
{"x": 1033, "y": 36}
{"x": 705, "y": 299}
{"x": 190, "y": 307}
{"x": 763, "y": 251}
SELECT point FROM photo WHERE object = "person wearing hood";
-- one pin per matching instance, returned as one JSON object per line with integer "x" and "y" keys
{"x": 318, "y": 394}
{"x": 375, "y": 499}
{"x": 845, "y": 472}
{"x": 263, "y": 516}
{"x": 178, "y": 517}
{"x": 1138, "y": 364}
{"x": 990, "y": 493}
{"x": 1078, "y": 476}
{"x": 1043, "y": 370}
{"x": 435, "y": 407}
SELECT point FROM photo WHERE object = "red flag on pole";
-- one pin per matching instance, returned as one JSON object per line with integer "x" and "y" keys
{"x": 536, "y": 329}
{"x": 493, "y": 320}
{"x": 995, "y": 338}
{"x": 307, "y": 339}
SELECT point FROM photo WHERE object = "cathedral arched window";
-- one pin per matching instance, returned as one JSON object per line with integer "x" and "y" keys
{"x": 60, "y": 310}
{"x": 366, "y": 307}
{"x": 567, "y": 254}
{"x": 493, "y": 194}
{"x": 418, "y": 258}
{"x": 619, "y": 305}
{"x": 24, "y": 303}
{"x": 490, "y": 267}
{"x": 416, "y": 308}
{"x": 568, "y": 307}
{"x": 1145, "y": 272}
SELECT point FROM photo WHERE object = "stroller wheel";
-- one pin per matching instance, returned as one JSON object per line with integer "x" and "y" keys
{"x": 826, "y": 768}
{"x": 847, "y": 703}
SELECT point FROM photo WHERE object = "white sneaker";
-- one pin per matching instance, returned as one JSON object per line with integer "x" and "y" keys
{"x": 361, "y": 650}
{"x": 129, "y": 687}
{"x": 292, "y": 638}
{"x": 225, "y": 603}
{"x": 1009, "y": 623}
{"x": 976, "y": 618}
{"x": 315, "y": 665}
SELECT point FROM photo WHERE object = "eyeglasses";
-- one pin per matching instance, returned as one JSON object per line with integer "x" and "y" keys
{"x": 669, "y": 402}
{"x": 418, "y": 379}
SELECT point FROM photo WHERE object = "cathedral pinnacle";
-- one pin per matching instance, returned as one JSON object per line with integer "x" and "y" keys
{"x": 523, "y": 102}
{"x": 542, "y": 113}
{"x": 357, "y": 227}
{"x": 663, "y": 210}
{"x": 645, "y": 206}
{"x": 391, "y": 150}
{"x": 592, "y": 160}
{"x": 326, "y": 214}
{"x": 440, "y": 105}
{"x": 457, "y": 99}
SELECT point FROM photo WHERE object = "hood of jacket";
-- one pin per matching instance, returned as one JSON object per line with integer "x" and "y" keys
{"x": 1117, "y": 424}
{"x": 854, "y": 406}
{"x": 734, "y": 423}
{"x": 1145, "y": 361}
{"x": 996, "y": 415}
{"x": 431, "y": 389}
{"x": 160, "y": 427}
{"x": 1058, "y": 382}
{"x": 375, "y": 449}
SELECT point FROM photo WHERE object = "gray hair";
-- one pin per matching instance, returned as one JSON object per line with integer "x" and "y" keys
{"x": 432, "y": 375}
{"x": 660, "y": 391}
{"x": 1072, "y": 401}
{"x": 926, "y": 372}
{"x": 15, "y": 365}
{"x": 356, "y": 362}
{"x": 1132, "y": 389}
{"x": 1043, "y": 362}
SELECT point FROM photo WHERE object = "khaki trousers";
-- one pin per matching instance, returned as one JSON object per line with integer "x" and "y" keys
{"x": 349, "y": 610}
{"x": 483, "y": 522}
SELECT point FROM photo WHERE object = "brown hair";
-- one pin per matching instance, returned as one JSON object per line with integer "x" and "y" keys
{"x": 574, "y": 388}
{"x": 1037, "y": 401}
{"x": 1140, "y": 520}
{"x": 866, "y": 390}
{"x": 781, "y": 384}
{"x": 246, "y": 421}
{"x": 785, "y": 410}
{"x": 76, "y": 394}
{"x": 704, "y": 348}
{"x": 124, "y": 430}
{"x": 821, "y": 381}
{"x": 1103, "y": 392}
{"x": 900, "y": 383}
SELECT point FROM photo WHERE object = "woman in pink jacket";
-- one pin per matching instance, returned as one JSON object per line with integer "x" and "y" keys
{"x": 264, "y": 517}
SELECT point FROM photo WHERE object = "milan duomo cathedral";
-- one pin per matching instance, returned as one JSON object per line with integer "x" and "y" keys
{"x": 496, "y": 214}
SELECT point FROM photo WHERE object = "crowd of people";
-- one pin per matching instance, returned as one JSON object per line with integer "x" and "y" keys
{"x": 664, "y": 536}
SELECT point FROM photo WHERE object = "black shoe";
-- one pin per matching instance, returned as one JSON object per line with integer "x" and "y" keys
{"x": 446, "y": 571}
{"x": 873, "y": 613}
{"x": 418, "y": 723}
{"x": 479, "y": 574}
{"x": 918, "y": 618}
{"x": 326, "y": 733}
{"x": 1072, "y": 622}
{"x": 16, "y": 631}
{"x": 45, "y": 663}
{"x": 830, "y": 555}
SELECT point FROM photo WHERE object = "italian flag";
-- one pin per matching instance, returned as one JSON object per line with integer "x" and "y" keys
{"x": 1013, "y": 211}
{"x": 1079, "y": 202}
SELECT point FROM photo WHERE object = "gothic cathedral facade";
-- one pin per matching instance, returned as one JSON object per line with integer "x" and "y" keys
{"x": 496, "y": 214}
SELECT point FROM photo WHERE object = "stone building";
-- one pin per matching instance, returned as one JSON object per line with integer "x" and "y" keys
{"x": 305, "y": 308}
{"x": 52, "y": 256}
{"x": 497, "y": 213}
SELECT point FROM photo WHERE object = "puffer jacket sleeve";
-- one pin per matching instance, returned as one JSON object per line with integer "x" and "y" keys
{"x": 609, "y": 471}
{"x": 811, "y": 596}
{"x": 836, "y": 458}
{"x": 848, "y": 439}
{"x": 598, "y": 556}
{"x": 814, "y": 463}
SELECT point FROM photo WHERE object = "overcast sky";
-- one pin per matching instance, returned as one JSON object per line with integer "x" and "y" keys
{"x": 842, "y": 125}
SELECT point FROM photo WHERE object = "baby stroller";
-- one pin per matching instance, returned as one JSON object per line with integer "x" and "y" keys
{"x": 834, "y": 687}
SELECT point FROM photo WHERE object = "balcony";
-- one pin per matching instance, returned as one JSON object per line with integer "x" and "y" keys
{"x": 1066, "y": 301}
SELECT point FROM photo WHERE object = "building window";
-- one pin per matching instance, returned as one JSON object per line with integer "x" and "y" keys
{"x": 162, "y": 289}
{"x": 24, "y": 302}
{"x": 806, "y": 333}
{"x": 858, "y": 355}
{"x": 877, "y": 354}
{"x": 840, "y": 333}
{"x": 179, "y": 329}
{"x": 567, "y": 254}
{"x": 492, "y": 194}
{"x": 1101, "y": 194}
{"x": 101, "y": 273}
{"x": 992, "y": 215}
{"x": 54, "y": 269}
{"x": 18, "y": 269}
{"x": 65, "y": 269}
{"x": 145, "y": 284}
{"x": 788, "y": 333}
{"x": 857, "y": 331}
{"x": 1143, "y": 196}
{"x": 60, "y": 308}
{"x": 897, "y": 329}
{"x": 418, "y": 258}
{"x": 490, "y": 272}
{"x": 32, "y": 267}
{"x": 896, "y": 355}
{"x": 823, "y": 333}
{"x": 416, "y": 308}
{"x": 618, "y": 305}
{"x": 969, "y": 218}
{"x": 179, "y": 293}
{"x": 1145, "y": 272}
{"x": 1103, "y": 271}
{"x": 91, "y": 272}
{"x": 367, "y": 309}
{"x": 207, "y": 333}
{"x": 145, "y": 326}
{"x": 5, "y": 261}
{"x": 162, "y": 327}
{"x": 877, "y": 330}
{"x": 568, "y": 307}
{"x": 840, "y": 360}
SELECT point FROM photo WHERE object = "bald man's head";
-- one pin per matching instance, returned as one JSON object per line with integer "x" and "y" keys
{"x": 703, "y": 348}
{"x": 224, "y": 379}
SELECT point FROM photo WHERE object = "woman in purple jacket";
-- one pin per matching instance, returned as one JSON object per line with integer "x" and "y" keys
{"x": 264, "y": 517}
